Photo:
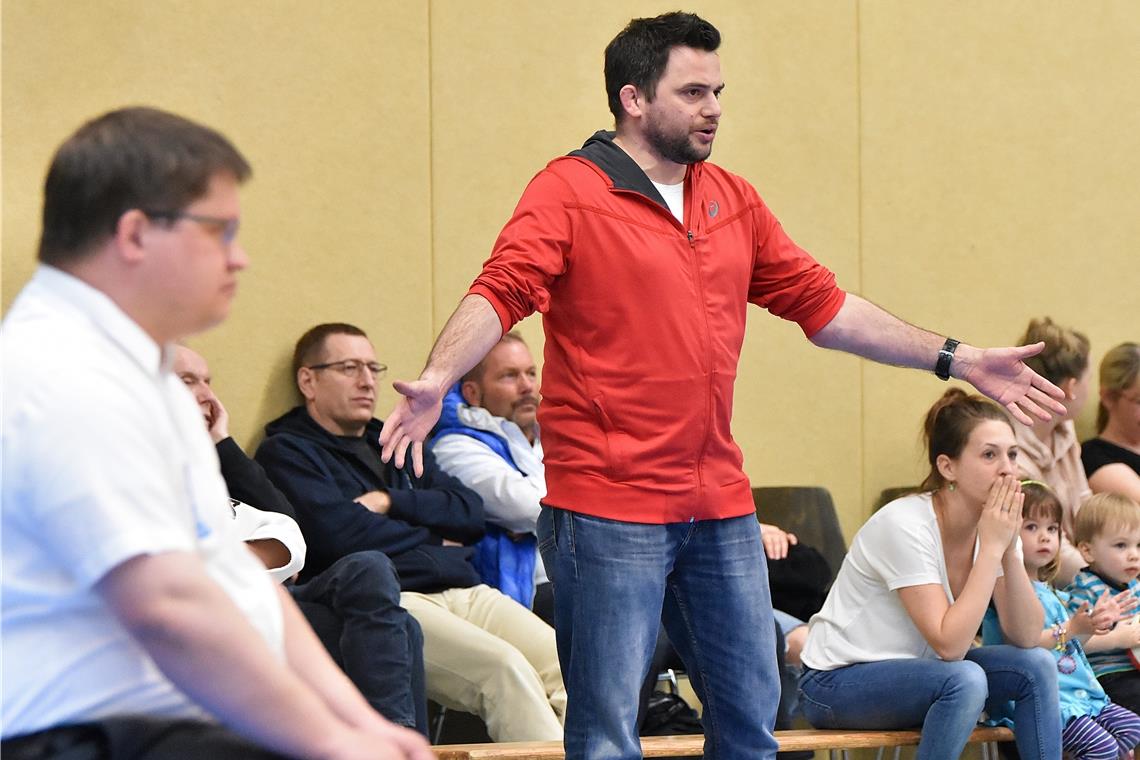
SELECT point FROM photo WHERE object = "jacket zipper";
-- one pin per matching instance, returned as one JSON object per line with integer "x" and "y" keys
{"x": 704, "y": 313}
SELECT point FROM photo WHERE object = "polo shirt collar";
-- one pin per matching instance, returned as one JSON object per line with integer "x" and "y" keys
{"x": 106, "y": 316}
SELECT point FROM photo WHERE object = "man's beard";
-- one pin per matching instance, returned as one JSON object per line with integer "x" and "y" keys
{"x": 676, "y": 148}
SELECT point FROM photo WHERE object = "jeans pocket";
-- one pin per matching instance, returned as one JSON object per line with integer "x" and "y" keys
{"x": 547, "y": 536}
{"x": 817, "y": 713}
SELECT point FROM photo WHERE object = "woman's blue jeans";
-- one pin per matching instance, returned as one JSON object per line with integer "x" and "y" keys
{"x": 611, "y": 582}
{"x": 944, "y": 698}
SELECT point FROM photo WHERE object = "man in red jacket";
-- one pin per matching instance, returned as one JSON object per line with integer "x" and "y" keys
{"x": 642, "y": 258}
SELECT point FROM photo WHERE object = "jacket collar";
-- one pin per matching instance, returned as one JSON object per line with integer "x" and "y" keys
{"x": 623, "y": 171}
{"x": 297, "y": 421}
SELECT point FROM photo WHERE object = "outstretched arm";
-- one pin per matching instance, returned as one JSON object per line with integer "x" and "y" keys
{"x": 864, "y": 329}
{"x": 471, "y": 332}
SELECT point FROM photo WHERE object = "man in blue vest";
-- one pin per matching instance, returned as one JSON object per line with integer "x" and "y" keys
{"x": 488, "y": 439}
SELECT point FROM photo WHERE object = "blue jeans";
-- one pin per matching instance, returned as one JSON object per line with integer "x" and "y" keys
{"x": 354, "y": 607}
{"x": 612, "y": 580}
{"x": 944, "y": 698}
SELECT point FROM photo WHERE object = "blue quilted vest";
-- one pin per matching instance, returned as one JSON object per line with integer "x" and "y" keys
{"x": 503, "y": 562}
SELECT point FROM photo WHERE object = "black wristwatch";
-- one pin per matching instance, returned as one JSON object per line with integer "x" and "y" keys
{"x": 945, "y": 356}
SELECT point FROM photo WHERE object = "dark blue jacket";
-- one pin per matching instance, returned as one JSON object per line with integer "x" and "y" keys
{"x": 321, "y": 476}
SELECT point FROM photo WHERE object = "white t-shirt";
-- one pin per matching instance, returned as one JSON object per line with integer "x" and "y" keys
{"x": 863, "y": 619}
{"x": 105, "y": 458}
{"x": 674, "y": 196}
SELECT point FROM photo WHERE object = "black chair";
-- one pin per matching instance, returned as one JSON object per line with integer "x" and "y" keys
{"x": 807, "y": 511}
{"x": 887, "y": 495}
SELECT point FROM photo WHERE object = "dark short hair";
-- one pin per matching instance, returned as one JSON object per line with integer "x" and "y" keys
{"x": 312, "y": 343}
{"x": 475, "y": 374}
{"x": 132, "y": 158}
{"x": 640, "y": 52}
{"x": 948, "y": 426}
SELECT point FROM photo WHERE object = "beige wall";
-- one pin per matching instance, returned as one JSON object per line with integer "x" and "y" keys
{"x": 966, "y": 164}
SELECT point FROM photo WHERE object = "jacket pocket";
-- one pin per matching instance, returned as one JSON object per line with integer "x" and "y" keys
{"x": 617, "y": 443}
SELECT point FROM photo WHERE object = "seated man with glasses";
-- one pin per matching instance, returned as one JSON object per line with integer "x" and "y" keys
{"x": 483, "y": 652}
{"x": 353, "y": 605}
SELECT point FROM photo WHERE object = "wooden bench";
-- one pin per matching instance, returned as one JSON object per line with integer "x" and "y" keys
{"x": 836, "y": 742}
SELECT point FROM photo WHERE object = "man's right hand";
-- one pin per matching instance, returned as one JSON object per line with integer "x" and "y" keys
{"x": 411, "y": 422}
{"x": 217, "y": 419}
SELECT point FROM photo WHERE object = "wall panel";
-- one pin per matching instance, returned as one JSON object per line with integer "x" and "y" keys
{"x": 328, "y": 101}
{"x": 1001, "y": 166}
{"x": 968, "y": 165}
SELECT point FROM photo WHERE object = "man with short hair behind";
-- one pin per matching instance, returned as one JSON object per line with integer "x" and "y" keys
{"x": 483, "y": 652}
{"x": 643, "y": 257}
{"x": 353, "y": 605}
{"x": 488, "y": 438}
{"x": 132, "y": 617}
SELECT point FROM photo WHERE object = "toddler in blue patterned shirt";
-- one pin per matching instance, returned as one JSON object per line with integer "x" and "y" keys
{"x": 1107, "y": 533}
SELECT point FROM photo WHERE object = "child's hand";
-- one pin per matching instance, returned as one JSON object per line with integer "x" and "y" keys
{"x": 1110, "y": 609}
{"x": 1083, "y": 623}
{"x": 1124, "y": 636}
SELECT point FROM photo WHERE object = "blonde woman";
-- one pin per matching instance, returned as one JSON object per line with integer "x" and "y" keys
{"x": 1112, "y": 459}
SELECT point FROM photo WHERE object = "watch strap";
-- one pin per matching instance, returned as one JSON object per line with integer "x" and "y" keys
{"x": 945, "y": 356}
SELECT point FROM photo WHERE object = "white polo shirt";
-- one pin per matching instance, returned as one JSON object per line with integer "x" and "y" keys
{"x": 105, "y": 458}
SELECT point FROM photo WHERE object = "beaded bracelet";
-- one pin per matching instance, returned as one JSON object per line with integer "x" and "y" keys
{"x": 1066, "y": 663}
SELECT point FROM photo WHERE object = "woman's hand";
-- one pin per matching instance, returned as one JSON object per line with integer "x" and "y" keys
{"x": 1000, "y": 522}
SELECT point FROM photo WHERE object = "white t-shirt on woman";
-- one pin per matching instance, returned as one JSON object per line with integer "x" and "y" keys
{"x": 863, "y": 619}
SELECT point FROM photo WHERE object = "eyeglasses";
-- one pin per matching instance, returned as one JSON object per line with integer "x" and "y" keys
{"x": 353, "y": 367}
{"x": 225, "y": 227}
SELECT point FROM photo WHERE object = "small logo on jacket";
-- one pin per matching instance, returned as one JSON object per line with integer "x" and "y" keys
{"x": 714, "y": 209}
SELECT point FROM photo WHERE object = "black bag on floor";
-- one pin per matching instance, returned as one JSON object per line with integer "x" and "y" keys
{"x": 668, "y": 715}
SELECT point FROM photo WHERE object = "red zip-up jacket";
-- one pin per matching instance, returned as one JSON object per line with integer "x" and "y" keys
{"x": 644, "y": 318}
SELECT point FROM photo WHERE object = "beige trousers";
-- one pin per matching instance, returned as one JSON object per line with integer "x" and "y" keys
{"x": 486, "y": 654}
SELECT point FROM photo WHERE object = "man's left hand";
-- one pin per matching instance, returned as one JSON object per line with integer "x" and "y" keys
{"x": 375, "y": 501}
{"x": 1002, "y": 374}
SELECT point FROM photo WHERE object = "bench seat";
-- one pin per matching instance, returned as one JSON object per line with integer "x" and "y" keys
{"x": 693, "y": 745}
